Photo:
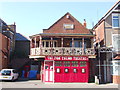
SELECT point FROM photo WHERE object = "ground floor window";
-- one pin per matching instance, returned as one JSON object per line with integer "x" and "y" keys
{"x": 74, "y": 63}
{"x": 71, "y": 63}
{"x": 82, "y": 63}
{"x": 58, "y": 63}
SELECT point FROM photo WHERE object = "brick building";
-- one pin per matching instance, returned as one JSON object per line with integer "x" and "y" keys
{"x": 64, "y": 51}
{"x": 107, "y": 39}
{"x": 7, "y": 44}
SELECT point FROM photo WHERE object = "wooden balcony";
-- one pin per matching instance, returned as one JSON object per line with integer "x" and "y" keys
{"x": 58, "y": 51}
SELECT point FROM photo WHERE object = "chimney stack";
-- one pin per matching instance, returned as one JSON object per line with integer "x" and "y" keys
{"x": 14, "y": 23}
{"x": 85, "y": 24}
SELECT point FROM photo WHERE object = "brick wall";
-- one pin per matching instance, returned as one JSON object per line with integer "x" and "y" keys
{"x": 4, "y": 47}
{"x": 116, "y": 79}
{"x": 99, "y": 31}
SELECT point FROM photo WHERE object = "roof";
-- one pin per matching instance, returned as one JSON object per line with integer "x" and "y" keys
{"x": 5, "y": 25}
{"x": 108, "y": 12}
{"x": 64, "y": 34}
{"x": 20, "y": 37}
{"x": 57, "y": 27}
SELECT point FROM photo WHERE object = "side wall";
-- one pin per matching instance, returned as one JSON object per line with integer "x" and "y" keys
{"x": 4, "y": 51}
{"x": 99, "y": 31}
{"x": 0, "y": 51}
{"x": 22, "y": 50}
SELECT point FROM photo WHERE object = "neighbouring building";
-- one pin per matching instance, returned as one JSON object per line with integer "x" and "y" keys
{"x": 6, "y": 44}
{"x": 107, "y": 43}
{"x": 4, "y": 51}
{"x": 21, "y": 52}
{"x": 64, "y": 52}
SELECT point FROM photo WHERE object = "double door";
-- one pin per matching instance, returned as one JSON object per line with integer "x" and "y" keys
{"x": 48, "y": 71}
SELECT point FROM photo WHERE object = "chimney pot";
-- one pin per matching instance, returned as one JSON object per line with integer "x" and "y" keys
{"x": 85, "y": 24}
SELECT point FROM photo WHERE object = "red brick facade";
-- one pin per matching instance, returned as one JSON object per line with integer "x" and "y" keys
{"x": 4, "y": 51}
{"x": 100, "y": 35}
{"x": 116, "y": 79}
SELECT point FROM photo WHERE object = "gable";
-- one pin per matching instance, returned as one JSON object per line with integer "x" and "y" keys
{"x": 67, "y": 24}
{"x": 115, "y": 8}
{"x": 118, "y": 7}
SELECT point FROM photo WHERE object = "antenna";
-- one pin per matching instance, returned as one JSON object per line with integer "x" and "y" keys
{"x": 93, "y": 24}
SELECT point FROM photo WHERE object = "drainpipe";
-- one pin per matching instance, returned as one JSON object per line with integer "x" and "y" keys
{"x": 99, "y": 57}
{"x": 99, "y": 63}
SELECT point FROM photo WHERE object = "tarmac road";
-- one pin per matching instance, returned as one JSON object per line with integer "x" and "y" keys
{"x": 24, "y": 83}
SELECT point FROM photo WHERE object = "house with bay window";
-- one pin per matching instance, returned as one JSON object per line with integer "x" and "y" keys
{"x": 107, "y": 41}
{"x": 65, "y": 51}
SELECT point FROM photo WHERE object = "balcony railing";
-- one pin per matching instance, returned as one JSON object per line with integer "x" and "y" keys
{"x": 61, "y": 51}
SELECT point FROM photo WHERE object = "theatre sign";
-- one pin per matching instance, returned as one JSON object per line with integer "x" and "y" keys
{"x": 66, "y": 58}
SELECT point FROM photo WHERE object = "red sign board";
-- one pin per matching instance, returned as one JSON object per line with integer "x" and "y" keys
{"x": 66, "y": 58}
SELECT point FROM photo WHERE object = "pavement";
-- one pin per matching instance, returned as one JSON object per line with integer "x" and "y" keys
{"x": 25, "y": 83}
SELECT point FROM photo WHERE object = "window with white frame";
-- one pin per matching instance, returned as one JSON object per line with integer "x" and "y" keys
{"x": 115, "y": 20}
{"x": 116, "y": 42}
{"x": 68, "y": 26}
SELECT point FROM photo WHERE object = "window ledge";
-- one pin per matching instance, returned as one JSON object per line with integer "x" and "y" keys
{"x": 116, "y": 27}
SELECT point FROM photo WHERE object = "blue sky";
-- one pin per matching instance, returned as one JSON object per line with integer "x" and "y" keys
{"x": 32, "y": 17}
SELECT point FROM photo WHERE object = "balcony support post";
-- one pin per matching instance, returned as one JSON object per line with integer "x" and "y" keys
{"x": 83, "y": 45}
{"x": 51, "y": 44}
{"x": 51, "y": 41}
{"x": 92, "y": 41}
{"x": 73, "y": 50}
{"x": 40, "y": 42}
{"x": 35, "y": 41}
{"x": 31, "y": 45}
{"x": 72, "y": 42}
{"x": 62, "y": 42}
{"x": 40, "y": 45}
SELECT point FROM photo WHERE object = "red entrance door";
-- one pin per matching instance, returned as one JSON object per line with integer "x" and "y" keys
{"x": 71, "y": 71}
{"x": 48, "y": 71}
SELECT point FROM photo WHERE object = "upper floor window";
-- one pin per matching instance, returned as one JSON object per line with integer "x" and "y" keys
{"x": 115, "y": 20}
{"x": 68, "y": 26}
{"x": 47, "y": 43}
{"x": 77, "y": 43}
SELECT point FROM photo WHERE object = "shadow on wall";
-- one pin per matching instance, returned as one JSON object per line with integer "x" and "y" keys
{"x": 21, "y": 53}
{"x": 22, "y": 46}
